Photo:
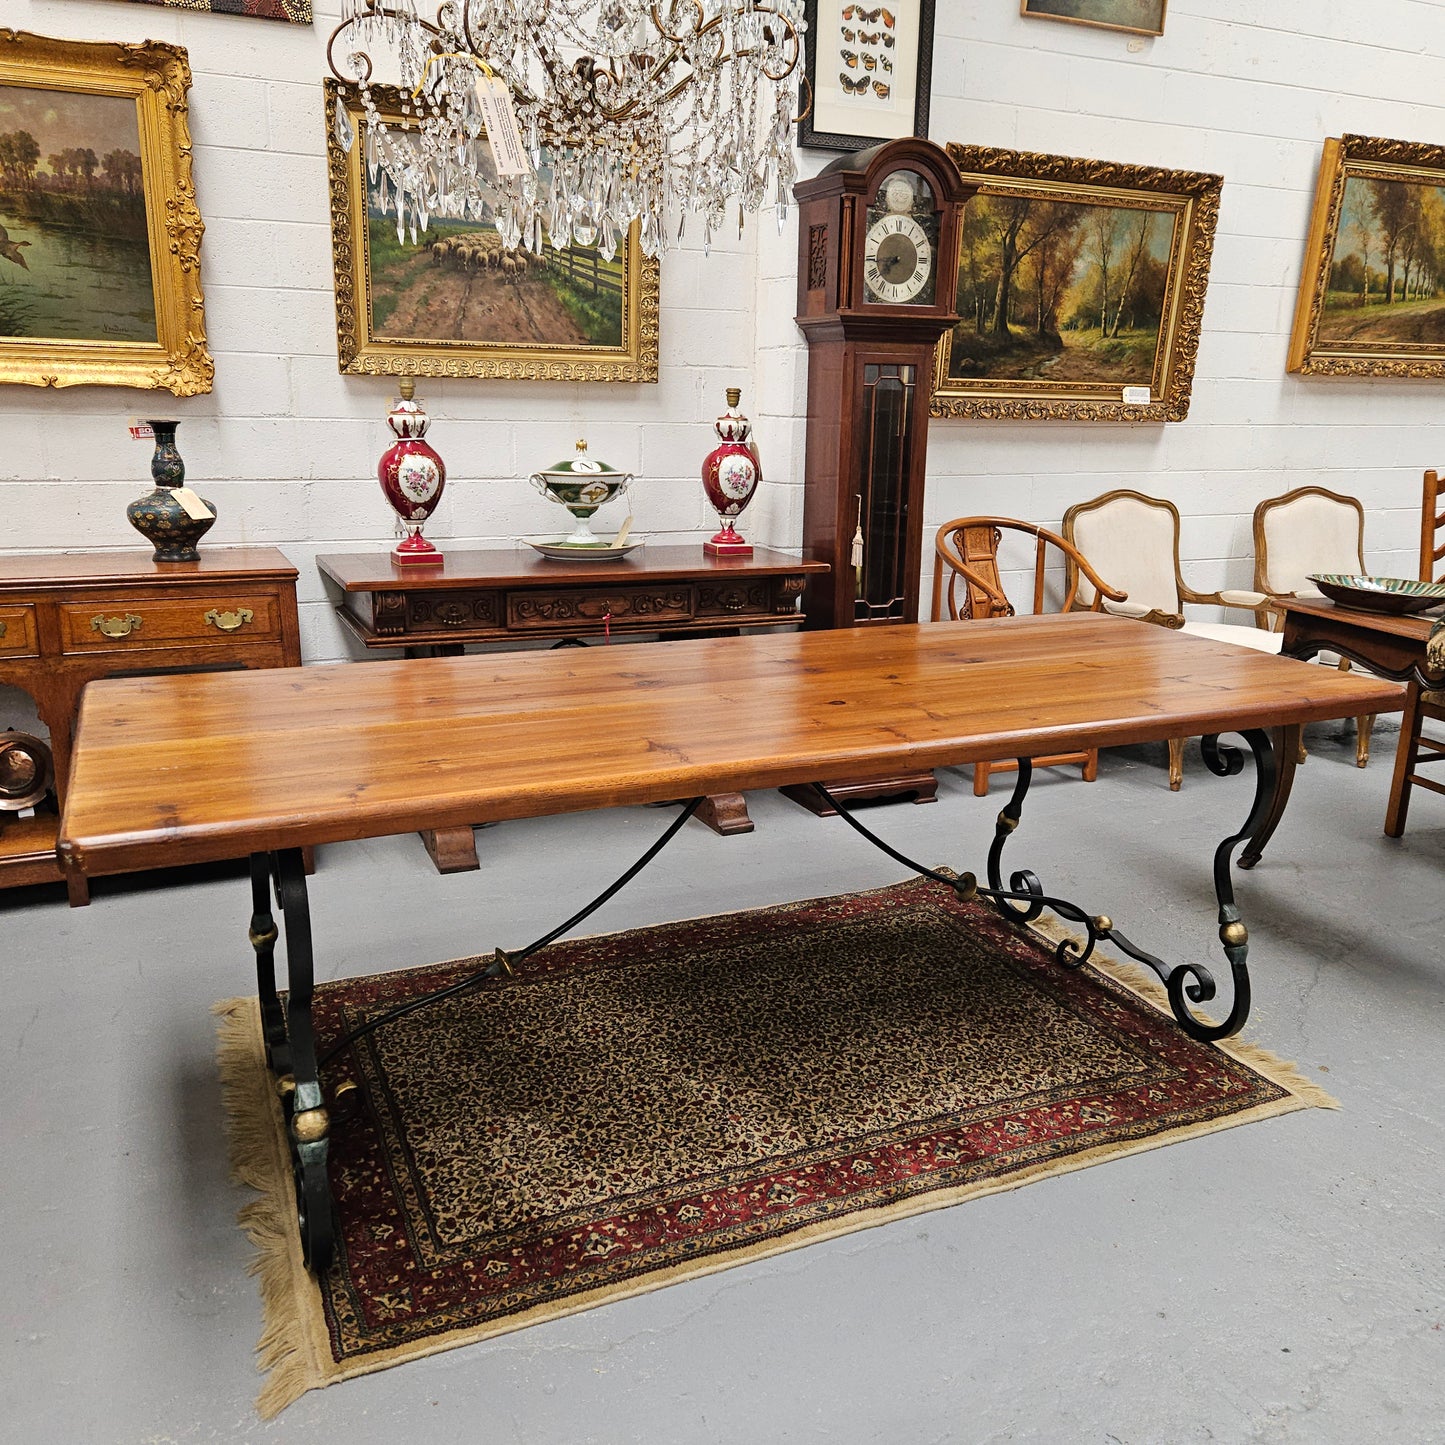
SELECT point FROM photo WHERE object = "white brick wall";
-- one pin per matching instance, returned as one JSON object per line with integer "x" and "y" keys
{"x": 286, "y": 447}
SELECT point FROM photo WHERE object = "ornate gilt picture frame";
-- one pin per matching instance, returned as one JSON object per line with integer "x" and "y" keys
{"x": 100, "y": 236}
{"x": 1080, "y": 289}
{"x": 453, "y": 303}
{"x": 1372, "y": 293}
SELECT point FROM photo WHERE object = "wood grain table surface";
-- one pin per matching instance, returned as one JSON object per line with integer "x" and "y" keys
{"x": 192, "y": 768}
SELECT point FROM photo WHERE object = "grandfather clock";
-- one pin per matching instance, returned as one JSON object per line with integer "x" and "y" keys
{"x": 877, "y": 273}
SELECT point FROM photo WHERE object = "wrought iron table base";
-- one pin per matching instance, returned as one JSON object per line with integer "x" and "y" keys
{"x": 291, "y": 1043}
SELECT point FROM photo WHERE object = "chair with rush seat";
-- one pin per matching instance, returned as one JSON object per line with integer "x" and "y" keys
{"x": 1413, "y": 750}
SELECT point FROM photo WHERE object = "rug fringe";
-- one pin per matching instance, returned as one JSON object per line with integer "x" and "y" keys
{"x": 287, "y": 1350}
{"x": 1137, "y": 979}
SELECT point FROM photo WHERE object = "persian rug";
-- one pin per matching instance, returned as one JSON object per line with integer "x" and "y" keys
{"x": 298, "y": 12}
{"x": 644, "y": 1107}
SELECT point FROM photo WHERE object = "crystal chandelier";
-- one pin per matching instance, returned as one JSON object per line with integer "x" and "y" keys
{"x": 624, "y": 110}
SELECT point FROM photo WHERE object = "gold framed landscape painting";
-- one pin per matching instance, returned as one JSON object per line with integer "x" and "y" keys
{"x": 1081, "y": 289}
{"x": 1139, "y": 17}
{"x": 452, "y": 302}
{"x": 100, "y": 236}
{"x": 1372, "y": 294}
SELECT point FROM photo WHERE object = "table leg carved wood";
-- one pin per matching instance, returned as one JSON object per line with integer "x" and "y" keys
{"x": 513, "y": 737}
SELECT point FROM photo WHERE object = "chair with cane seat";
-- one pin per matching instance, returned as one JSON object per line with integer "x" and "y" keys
{"x": 967, "y": 549}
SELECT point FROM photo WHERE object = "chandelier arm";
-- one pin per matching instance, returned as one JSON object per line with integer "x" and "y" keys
{"x": 381, "y": 12}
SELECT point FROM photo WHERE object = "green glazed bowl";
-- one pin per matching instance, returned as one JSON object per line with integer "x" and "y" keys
{"x": 1379, "y": 594}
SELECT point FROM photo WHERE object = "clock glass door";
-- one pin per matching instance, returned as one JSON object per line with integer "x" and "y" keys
{"x": 880, "y": 544}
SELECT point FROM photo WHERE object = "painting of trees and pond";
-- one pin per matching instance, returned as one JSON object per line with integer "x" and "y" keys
{"x": 74, "y": 254}
{"x": 1387, "y": 265}
{"x": 1057, "y": 291}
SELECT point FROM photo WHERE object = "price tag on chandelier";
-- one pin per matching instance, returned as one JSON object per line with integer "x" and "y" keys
{"x": 495, "y": 99}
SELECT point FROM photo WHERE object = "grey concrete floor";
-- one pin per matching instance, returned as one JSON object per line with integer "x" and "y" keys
{"x": 1276, "y": 1282}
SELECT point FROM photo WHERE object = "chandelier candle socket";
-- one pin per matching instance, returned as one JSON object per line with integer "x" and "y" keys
{"x": 625, "y": 111}
{"x": 412, "y": 476}
{"x": 730, "y": 476}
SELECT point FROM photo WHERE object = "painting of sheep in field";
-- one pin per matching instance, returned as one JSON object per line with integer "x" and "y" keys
{"x": 450, "y": 300}
{"x": 458, "y": 284}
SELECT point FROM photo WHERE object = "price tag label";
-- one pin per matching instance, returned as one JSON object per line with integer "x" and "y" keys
{"x": 140, "y": 431}
{"x": 191, "y": 503}
{"x": 1137, "y": 396}
{"x": 503, "y": 133}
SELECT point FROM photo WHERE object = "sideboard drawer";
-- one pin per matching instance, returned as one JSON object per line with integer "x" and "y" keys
{"x": 594, "y": 609}
{"x": 17, "y": 631}
{"x": 145, "y": 624}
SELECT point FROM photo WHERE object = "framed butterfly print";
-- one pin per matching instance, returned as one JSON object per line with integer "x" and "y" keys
{"x": 869, "y": 67}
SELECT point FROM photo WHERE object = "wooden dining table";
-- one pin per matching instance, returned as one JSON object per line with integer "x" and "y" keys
{"x": 183, "y": 769}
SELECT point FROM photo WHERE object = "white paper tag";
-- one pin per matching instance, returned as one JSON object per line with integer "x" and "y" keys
{"x": 1137, "y": 396}
{"x": 140, "y": 431}
{"x": 191, "y": 503}
{"x": 503, "y": 133}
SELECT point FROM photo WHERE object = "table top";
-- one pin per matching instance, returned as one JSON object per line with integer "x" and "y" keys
{"x": 501, "y": 566}
{"x": 35, "y": 569}
{"x": 205, "y": 766}
{"x": 1415, "y": 627}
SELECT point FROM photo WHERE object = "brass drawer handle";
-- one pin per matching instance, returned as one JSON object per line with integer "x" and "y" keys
{"x": 4, "y": 628}
{"x": 230, "y": 621}
{"x": 116, "y": 626}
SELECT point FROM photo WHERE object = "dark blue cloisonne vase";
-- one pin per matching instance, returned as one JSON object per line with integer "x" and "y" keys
{"x": 158, "y": 516}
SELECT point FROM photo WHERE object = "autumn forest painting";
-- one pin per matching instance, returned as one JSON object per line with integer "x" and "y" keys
{"x": 1387, "y": 265}
{"x": 1059, "y": 291}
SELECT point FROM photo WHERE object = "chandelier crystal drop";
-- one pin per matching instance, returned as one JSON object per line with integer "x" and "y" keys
{"x": 626, "y": 110}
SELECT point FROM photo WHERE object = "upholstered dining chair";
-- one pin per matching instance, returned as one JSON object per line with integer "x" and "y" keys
{"x": 1134, "y": 540}
{"x": 1309, "y": 530}
{"x": 1414, "y": 749}
{"x": 966, "y": 551}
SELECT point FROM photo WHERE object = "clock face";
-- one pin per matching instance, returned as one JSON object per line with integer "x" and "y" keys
{"x": 899, "y": 246}
{"x": 897, "y": 260}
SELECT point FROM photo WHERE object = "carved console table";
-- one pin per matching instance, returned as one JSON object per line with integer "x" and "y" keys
{"x": 69, "y": 617}
{"x": 504, "y": 595}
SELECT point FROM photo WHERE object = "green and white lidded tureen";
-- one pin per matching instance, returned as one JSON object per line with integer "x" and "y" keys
{"x": 581, "y": 484}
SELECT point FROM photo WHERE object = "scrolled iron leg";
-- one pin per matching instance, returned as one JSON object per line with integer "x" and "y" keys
{"x": 1188, "y": 983}
{"x": 263, "y": 936}
{"x": 307, "y": 1120}
{"x": 1022, "y": 881}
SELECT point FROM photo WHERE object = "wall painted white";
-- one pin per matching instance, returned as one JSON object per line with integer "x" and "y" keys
{"x": 286, "y": 447}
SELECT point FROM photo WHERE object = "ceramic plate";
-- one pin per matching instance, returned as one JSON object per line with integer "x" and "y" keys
{"x": 1380, "y": 594}
{"x": 561, "y": 550}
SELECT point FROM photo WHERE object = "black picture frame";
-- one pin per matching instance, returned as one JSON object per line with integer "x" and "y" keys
{"x": 825, "y": 137}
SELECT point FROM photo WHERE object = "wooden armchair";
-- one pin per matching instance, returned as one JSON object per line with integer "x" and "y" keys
{"x": 1413, "y": 750}
{"x": 1134, "y": 539}
{"x": 1310, "y": 530}
{"x": 967, "y": 550}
